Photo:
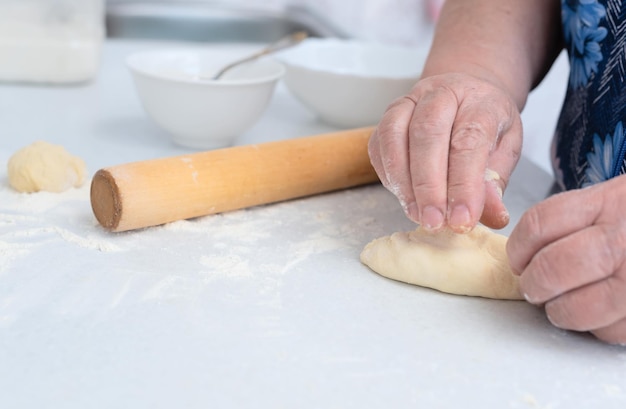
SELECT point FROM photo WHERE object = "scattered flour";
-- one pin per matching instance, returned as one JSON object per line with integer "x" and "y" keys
{"x": 11, "y": 251}
{"x": 29, "y": 221}
{"x": 231, "y": 266}
{"x": 88, "y": 242}
{"x": 40, "y": 202}
{"x": 254, "y": 248}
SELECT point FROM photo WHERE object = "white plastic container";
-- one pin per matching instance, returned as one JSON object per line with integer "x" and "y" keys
{"x": 50, "y": 41}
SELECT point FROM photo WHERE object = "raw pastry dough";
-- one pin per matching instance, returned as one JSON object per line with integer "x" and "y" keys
{"x": 467, "y": 264}
{"x": 44, "y": 166}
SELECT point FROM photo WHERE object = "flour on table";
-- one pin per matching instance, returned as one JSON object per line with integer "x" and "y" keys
{"x": 44, "y": 166}
{"x": 226, "y": 266}
{"x": 9, "y": 252}
{"x": 472, "y": 264}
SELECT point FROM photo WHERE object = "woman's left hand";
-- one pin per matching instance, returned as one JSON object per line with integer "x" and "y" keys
{"x": 570, "y": 253}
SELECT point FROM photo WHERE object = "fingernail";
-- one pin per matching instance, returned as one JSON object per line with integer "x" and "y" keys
{"x": 530, "y": 299}
{"x": 552, "y": 320}
{"x": 460, "y": 218}
{"x": 432, "y": 218}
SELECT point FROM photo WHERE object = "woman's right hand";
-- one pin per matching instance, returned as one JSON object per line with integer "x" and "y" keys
{"x": 447, "y": 150}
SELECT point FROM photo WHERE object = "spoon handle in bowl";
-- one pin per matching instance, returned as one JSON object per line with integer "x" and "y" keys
{"x": 285, "y": 42}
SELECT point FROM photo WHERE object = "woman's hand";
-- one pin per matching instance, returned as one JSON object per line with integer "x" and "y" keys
{"x": 570, "y": 251}
{"x": 447, "y": 150}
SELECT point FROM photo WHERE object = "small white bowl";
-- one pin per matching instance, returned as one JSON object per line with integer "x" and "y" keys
{"x": 350, "y": 83}
{"x": 200, "y": 113}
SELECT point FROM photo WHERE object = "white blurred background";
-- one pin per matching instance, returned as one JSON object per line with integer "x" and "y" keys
{"x": 411, "y": 22}
{"x": 396, "y": 21}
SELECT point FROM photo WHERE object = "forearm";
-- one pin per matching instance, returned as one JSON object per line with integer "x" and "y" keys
{"x": 508, "y": 42}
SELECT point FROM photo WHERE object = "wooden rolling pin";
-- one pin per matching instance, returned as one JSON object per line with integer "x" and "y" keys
{"x": 153, "y": 192}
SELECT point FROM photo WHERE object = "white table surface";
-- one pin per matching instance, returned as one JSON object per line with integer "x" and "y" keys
{"x": 262, "y": 308}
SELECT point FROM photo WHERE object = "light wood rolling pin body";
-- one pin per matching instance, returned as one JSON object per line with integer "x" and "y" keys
{"x": 153, "y": 192}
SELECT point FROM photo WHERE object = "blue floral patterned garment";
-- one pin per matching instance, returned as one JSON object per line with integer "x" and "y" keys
{"x": 589, "y": 144}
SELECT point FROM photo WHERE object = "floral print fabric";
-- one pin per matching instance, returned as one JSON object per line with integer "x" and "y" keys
{"x": 589, "y": 144}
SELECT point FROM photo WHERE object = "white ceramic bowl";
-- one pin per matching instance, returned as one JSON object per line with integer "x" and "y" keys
{"x": 350, "y": 83}
{"x": 198, "y": 112}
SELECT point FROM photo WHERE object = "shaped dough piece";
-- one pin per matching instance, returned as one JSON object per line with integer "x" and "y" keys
{"x": 466, "y": 264}
{"x": 44, "y": 166}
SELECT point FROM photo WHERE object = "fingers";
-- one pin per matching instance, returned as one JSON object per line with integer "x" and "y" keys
{"x": 613, "y": 334}
{"x": 429, "y": 143}
{"x": 587, "y": 252}
{"x": 495, "y": 214}
{"x": 569, "y": 251}
{"x": 596, "y": 306}
{"x": 582, "y": 281}
{"x": 388, "y": 151}
{"x": 502, "y": 162}
{"x": 552, "y": 219}
{"x": 460, "y": 129}
{"x": 485, "y": 136}
{"x": 432, "y": 147}
{"x": 469, "y": 152}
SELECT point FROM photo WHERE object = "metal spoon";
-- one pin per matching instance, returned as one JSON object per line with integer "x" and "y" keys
{"x": 285, "y": 42}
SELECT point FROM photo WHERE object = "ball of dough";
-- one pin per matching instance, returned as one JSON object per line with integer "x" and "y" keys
{"x": 44, "y": 166}
{"x": 473, "y": 264}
